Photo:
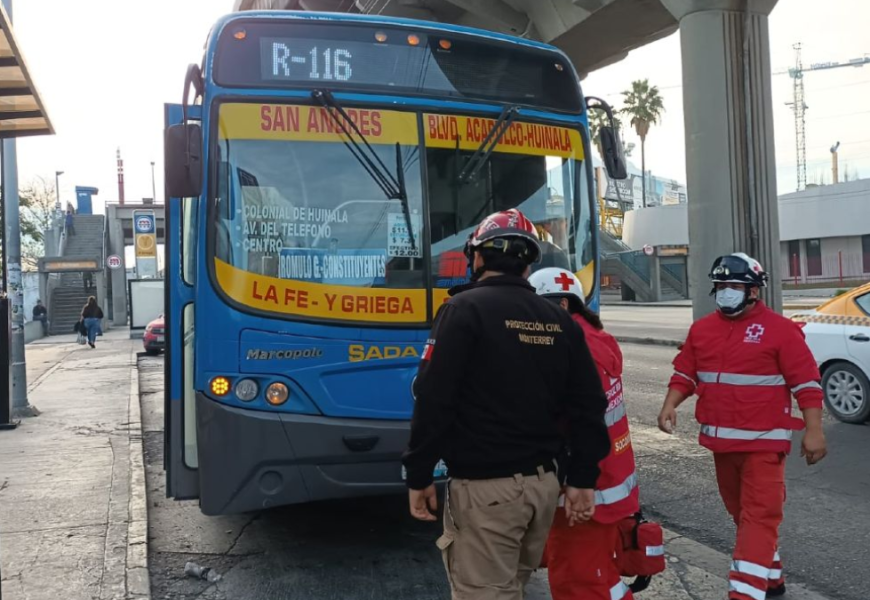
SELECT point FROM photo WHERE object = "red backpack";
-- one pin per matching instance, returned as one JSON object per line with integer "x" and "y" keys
{"x": 642, "y": 552}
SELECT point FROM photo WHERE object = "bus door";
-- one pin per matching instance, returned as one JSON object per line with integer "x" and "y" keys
{"x": 179, "y": 444}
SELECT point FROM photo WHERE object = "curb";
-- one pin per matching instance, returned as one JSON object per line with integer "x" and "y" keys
{"x": 138, "y": 583}
{"x": 717, "y": 564}
{"x": 626, "y": 339}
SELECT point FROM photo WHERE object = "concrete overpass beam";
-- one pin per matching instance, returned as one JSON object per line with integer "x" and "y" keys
{"x": 500, "y": 15}
{"x": 730, "y": 159}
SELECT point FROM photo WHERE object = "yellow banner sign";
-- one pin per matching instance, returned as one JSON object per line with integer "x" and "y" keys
{"x": 342, "y": 303}
{"x": 292, "y": 122}
{"x": 321, "y": 301}
{"x": 534, "y": 139}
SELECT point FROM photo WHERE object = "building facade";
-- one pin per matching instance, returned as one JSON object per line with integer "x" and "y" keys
{"x": 824, "y": 232}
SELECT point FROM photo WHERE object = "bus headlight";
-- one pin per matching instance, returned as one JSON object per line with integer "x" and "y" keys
{"x": 246, "y": 390}
{"x": 277, "y": 394}
{"x": 220, "y": 386}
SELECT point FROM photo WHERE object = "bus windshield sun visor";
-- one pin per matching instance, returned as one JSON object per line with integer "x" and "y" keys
{"x": 487, "y": 146}
{"x": 392, "y": 186}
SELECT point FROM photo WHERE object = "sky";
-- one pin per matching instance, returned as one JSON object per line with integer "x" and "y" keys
{"x": 104, "y": 69}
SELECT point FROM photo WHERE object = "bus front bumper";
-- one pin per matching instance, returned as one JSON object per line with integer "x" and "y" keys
{"x": 251, "y": 460}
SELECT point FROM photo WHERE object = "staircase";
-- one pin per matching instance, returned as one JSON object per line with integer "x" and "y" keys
{"x": 633, "y": 270}
{"x": 70, "y": 296}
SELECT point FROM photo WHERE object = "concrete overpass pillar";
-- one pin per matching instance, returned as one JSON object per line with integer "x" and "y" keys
{"x": 730, "y": 159}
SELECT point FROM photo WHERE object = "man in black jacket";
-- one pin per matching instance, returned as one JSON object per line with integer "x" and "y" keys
{"x": 503, "y": 375}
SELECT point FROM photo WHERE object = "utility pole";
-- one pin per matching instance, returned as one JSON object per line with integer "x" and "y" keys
{"x": 15, "y": 289}
{"x": 57, "y": 175}
{"x": 153, "y": 185}
{"x": 835, "y": 165}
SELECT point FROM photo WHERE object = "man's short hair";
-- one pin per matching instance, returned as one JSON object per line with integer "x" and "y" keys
{"x": 498, "y": 261}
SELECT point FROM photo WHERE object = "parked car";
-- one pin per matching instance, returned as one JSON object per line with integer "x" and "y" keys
{"x": 154, "y": 339}
{"x": 838, "y": 333}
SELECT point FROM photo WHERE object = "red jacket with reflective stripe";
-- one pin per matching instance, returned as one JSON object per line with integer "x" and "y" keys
{"x": 616, "y": 491}
{"x": 744, "y": 371}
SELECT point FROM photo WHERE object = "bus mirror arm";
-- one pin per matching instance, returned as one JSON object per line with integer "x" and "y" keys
{"x": 611, "y": 144}
{"x": 182, "y": 145}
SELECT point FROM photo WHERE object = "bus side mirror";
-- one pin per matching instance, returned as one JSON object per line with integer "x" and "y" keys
{"x": 614, "y": 155}
{"x": 183, "y": 160}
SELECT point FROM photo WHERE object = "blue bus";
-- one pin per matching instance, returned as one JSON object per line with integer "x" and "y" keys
{"x": 323, "y": 172}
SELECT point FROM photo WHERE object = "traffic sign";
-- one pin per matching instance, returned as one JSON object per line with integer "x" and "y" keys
{"x": 648, "y": 250}
{"x": 113, "y": 261}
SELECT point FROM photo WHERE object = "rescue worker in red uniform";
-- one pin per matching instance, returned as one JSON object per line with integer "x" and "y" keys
{"x": 501, "y": 370}
{"x": 580, "y": 559}
{"x": 745, "y": 362}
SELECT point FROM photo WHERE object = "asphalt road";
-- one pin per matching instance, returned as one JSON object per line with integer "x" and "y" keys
{"x": 372, "y": 549}
{"x": 826, "y": 535}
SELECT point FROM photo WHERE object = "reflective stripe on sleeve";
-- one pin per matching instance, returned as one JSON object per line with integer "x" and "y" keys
{"x": 745, "y": 588}
{"x": 810, "y": 385}
{"x": 655, "y": 550}
{"x": 729, "y": 433}
{"x": 684, "y": 376}
{"x": 616, "y": 415}
{"x": 619, "y": 591}
{"x": 618, "y": 492}
{"x": 739, "y": 379}
{"x": 748, "y": 568}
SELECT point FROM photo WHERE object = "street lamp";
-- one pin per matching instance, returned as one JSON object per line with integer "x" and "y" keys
{"x": 153, "y": 186}
{"x": 57, "y": 175}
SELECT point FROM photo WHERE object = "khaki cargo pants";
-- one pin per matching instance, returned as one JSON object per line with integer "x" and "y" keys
{"x": 494, "y": 533}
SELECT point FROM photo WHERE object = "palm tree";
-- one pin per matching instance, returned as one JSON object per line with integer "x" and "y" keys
{"x": 643, "y": 104}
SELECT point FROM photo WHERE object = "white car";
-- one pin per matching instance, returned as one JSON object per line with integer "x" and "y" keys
{"x": 838, "y": 333}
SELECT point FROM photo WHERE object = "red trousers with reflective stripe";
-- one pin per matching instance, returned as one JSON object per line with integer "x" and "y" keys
{"x": 752, "y": 485}
{"x": 580, "y": 561}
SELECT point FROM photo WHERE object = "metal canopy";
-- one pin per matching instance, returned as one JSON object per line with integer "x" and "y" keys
{"x": 21, "y": 109}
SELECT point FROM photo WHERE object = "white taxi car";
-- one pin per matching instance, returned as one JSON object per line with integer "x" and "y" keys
{"x": 838, "y": 333}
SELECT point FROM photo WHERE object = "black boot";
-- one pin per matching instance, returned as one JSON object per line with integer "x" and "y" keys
{"x": 777, "y": 591}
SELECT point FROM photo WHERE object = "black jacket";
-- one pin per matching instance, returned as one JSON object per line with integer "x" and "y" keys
{"x": 503, "y": 367}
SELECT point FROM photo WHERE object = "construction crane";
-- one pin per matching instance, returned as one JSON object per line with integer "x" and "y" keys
{"x": 799, "y": 106}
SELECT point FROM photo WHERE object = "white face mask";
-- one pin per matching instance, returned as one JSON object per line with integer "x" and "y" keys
{"x": 728, "y": 299}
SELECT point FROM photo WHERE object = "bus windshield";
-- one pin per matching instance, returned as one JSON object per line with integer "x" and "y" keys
{"x": 293, "y": 203}
{"x": 302, "y": 229}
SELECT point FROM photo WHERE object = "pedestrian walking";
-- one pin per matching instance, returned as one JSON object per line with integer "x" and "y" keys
{"x": 502, "y": 367}
{"x": 87, "y": 281}
{"x": 70, "y": 226}
{"x": 745, "y": 362}
{"x": 40, "y": 313}
{"x": 581, "y": 559}
{"x": 91, "y": 316}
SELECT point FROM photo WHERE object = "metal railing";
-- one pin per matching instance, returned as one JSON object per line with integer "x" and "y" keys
{"x": 638, "y": 262}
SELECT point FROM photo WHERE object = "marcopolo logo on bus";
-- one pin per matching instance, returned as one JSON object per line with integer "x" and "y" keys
{"x": 144, "y": 223}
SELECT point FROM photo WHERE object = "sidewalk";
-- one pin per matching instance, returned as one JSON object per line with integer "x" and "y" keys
{"x": 73, "y": 521}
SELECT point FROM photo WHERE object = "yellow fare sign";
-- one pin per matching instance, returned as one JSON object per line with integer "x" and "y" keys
{"x": 536, "y": 139}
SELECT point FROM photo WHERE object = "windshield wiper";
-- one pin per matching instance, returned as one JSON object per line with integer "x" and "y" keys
{"x": 393, "y": 187}
{"x": 487, "y": 146}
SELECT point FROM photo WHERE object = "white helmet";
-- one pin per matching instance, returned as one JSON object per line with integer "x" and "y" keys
{"x": 554, "y": 281}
